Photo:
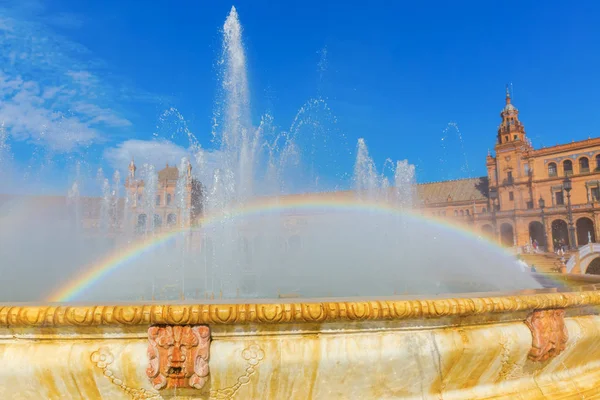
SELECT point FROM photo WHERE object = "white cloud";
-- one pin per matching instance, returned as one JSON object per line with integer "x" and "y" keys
{"x": 98, "y": 115}
{"x": 83, "y": 78}
{"x": 6, "y": 25}
{"x": 159, "y": 153}
{"x": 26, "y": 114}
{"x": 153, "y": 152}
{"x": 51, "y": 90}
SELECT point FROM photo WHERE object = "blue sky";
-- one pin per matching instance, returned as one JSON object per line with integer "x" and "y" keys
{"x": 88, "y": 81}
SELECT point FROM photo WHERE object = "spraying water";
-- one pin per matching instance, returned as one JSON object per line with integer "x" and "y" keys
{"x": 452, "y": 143}
{"x": 182, "y": 190}
{"x": 238, "y": 139}
{"x": 74, "y": 201}
{"x": 114, "y": 212}
{"x": 253, "y": 242}
{"x": 4, "y": 145}
{"x": 148, "y": 201}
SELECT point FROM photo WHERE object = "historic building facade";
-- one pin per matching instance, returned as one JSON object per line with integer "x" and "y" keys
{"x": 550, "y": 195}
{"x": 166, "y": 210}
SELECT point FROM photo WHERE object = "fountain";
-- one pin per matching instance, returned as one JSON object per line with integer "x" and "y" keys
{"x": 325, "y": 295}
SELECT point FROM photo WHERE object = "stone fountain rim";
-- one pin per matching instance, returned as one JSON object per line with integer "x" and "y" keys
{"x": 279, "y": 312}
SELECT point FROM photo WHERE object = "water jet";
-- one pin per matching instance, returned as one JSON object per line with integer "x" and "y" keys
{"x": 309, "y": 310}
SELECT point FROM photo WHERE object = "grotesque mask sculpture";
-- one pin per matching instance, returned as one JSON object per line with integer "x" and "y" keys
{"x": 178, "y": 356}
{"x": 549, "y": 334}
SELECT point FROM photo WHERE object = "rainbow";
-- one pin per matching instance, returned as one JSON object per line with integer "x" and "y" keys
{"x": 288, "y": 204}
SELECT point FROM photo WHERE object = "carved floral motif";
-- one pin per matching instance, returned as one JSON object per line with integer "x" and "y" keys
{"x": 549, "y": 334}
{"x": 103, "y": 358}
{"x": 178, "y": 356}
{"x": 285, "y": 312}
{"x": 253, "y": 354}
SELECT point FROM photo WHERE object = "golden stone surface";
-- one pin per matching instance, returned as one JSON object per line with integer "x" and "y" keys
{"x": 285, "y": 312}
{"x": 461, "y": 348}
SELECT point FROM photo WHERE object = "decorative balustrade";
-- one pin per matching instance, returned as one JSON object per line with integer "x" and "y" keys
{"x": 581, "y": 253}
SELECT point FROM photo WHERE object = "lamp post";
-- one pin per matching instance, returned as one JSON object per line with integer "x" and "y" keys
{"x": 493, "y": 197}
{"x": 567, "y": 186}
{"x": 542, "y": 205}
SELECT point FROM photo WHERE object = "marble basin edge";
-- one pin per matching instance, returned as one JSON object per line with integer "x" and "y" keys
{"x": 525, "y": 345}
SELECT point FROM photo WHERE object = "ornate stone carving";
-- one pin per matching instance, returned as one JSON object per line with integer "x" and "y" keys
{"x": 253, "y": 354}
{"x": 286, "y": 312}
{"x": 102, "y": 359}
{"x": 178, "y": 356}
{"x": 549, "y": 333}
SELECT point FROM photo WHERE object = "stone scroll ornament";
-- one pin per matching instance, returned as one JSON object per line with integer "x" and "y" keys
{"x": 549, "y": 333}
{"x": 178, "y": 356}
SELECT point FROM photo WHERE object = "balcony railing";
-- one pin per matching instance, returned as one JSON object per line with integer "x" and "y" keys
{"x": 508, "y": 181}
{"x": 537, "y": 211}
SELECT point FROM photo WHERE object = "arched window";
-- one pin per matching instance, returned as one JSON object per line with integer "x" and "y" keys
{"x": 294, "y": 243}
{"x": 568, "y": 167}
{"x": 157, "y": 221}
{"x": 141, "y": 223}
{"x": 507, "y": 235}
{"x": 483, "y": 210}
{"x": 552, "y": 169}
{"x": 456, "y": 213}
{"x": 584, "y": 165}
{"x": 467, "y": 212}
{"x": 171, "y": 219}
{"x": 168, "y": 199}
{"x": 158, "y": 199}
{"x": 598, "y": 162}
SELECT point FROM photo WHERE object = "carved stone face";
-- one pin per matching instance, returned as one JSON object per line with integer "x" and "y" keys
{"x": 549, "y": 333}
{"x": 178, "y": 356}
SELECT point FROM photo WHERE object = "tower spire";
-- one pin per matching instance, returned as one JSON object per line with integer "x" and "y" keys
{"x": 132, "y": 168}
{"x": 511, "y": 128}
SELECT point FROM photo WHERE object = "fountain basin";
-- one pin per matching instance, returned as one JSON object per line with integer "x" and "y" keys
{"x": 526, "y": 345}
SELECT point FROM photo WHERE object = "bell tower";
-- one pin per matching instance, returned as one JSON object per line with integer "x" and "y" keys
{"x": 510, "y": 129}
{"x": 132, "y": 169}
{"x": 509, "y": 169}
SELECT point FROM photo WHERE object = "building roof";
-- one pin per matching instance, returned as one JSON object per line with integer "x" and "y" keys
{"x": 460, "y": 190}
{"x": 92, "y": 206}
{"x": 469, "y": 189}
{"x": 559, "y": 148}
{"x": 33, "y": 207}
{"x": 40, "y": 205}
{"x": 168, "y": 173}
